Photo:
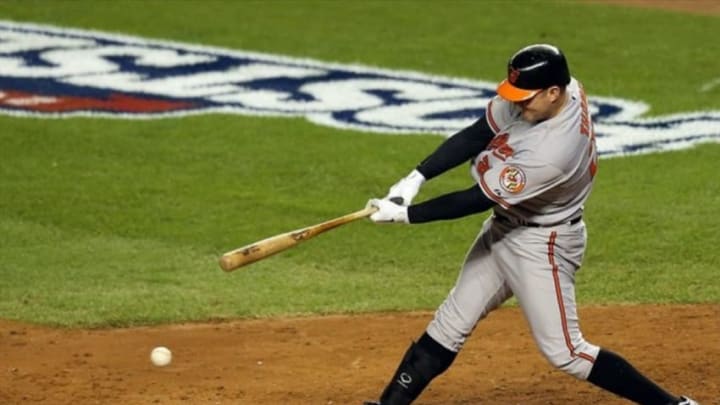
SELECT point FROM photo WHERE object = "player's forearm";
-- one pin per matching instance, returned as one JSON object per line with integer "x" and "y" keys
{"x": 450, "y": 206}
{"x": 457, "y": 149}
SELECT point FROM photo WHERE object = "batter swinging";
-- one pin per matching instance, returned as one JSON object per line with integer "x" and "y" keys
{"x": 533, "y": 160}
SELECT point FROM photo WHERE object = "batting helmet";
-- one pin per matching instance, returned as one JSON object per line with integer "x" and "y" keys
{"x": 532, "y": 69}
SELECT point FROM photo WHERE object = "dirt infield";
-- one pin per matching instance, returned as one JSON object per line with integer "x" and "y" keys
{"x": 701, "y": 7}
{"x": 344, "y": 359}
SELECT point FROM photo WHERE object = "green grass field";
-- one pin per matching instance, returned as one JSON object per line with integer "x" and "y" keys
{"x": 108, "y": 222}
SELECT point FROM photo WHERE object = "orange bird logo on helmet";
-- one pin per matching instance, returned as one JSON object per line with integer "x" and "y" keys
{"x": 513, "y": 74}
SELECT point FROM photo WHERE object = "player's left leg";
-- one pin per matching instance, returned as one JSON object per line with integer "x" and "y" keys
{"x": 478, "y": 290}
{"x": 546, "y": 293}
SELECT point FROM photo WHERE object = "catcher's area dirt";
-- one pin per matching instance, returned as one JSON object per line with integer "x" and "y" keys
{"x": 702, "y": 7}
{"x": 342, "y": 360}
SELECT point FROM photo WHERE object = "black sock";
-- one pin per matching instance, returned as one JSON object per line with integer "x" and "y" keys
{"x": 444, "y": 356}
{"x": 613, "y": 373}
{"x": 422, "y": 362}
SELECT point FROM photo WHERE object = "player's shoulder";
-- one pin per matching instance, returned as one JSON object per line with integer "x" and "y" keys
{"x": 500, "y": 113}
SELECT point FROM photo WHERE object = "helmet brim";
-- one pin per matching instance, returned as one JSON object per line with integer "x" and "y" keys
{"x": 515, "y": 94}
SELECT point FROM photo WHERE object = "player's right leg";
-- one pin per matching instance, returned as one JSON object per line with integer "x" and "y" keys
{"x": 544, "y": 282}
{"x": 478, "y": 290}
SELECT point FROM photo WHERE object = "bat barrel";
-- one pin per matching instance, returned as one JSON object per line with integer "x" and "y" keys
{"x": 266, "y": 247}
{"x": 227, "y": 263}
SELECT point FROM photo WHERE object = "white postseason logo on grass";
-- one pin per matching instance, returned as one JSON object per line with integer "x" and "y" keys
{"x": 47, "y": 71}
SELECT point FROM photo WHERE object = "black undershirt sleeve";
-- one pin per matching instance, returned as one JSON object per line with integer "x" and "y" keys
{"x": 450, "y": 206}
{"x": 457, "y": 149}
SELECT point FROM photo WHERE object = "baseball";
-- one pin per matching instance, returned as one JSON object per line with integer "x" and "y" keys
{"x": 161, "y": 356}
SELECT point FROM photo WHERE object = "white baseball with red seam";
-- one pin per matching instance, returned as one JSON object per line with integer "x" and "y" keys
{"x": 161, "y": 356}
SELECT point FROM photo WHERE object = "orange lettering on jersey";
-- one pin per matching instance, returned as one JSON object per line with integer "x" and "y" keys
{"x": 593, "y": 159}
{"x": 483, "y": 165}
{"x": 498, "y": 141}
{"x": 585, "y": 125}
{"x": 503, "y": 152}
{"x": 499, "y": 146}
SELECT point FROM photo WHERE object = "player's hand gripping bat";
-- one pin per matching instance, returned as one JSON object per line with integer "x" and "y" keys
{"x": 259, "y": 250}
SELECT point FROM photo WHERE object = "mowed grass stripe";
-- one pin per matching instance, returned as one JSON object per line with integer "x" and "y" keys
{"x": 67, "y": 277}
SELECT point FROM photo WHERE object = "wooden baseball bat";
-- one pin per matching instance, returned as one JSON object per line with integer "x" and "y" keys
{"x": 259, "y": 250}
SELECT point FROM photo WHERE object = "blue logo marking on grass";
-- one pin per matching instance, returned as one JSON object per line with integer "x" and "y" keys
{"x": 53, "y": 72}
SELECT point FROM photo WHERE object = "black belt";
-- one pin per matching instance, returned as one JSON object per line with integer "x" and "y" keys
{"x": 503, "y": 218}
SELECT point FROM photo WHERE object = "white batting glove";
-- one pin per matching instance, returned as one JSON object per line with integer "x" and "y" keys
{"x": 406, "y": 189}
{"x": 388, "y": 212}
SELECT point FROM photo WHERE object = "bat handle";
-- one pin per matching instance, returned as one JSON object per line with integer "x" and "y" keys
{"x": 363, "y": 213}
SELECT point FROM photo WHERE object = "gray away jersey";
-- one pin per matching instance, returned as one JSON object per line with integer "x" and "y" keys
{"x": 540, "y": 173}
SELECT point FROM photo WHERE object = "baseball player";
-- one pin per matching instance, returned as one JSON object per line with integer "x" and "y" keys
{"x": 533, "y": 159}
